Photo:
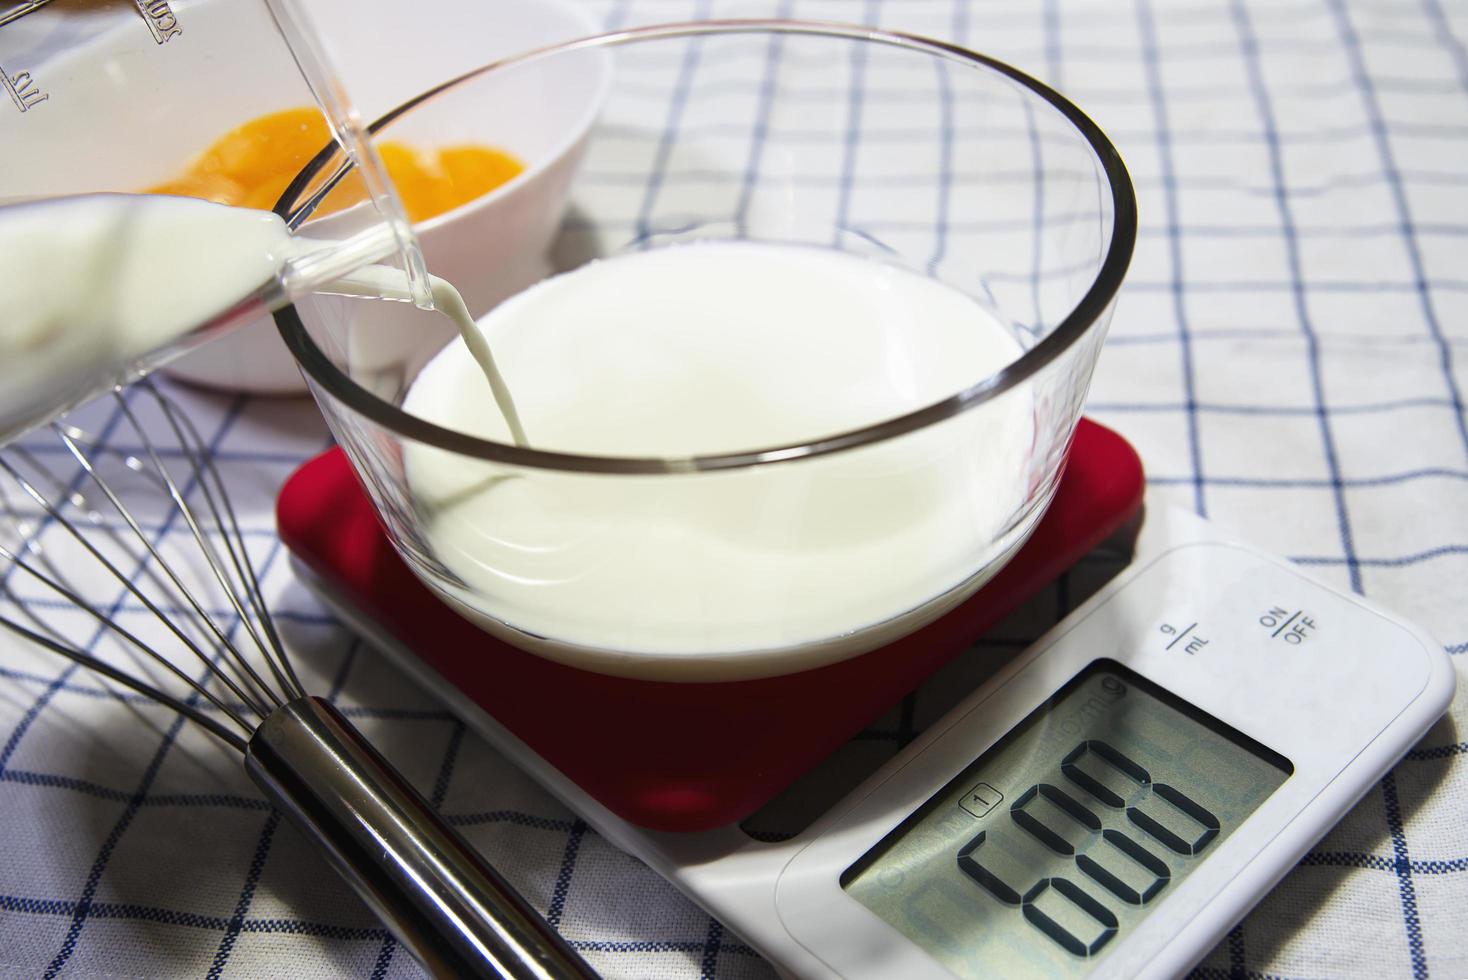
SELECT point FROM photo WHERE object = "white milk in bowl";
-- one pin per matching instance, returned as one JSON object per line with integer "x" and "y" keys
{"x": 715, "y": 348}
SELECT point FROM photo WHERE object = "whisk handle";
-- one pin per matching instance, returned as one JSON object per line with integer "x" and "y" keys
{"x": 437, "y": 896}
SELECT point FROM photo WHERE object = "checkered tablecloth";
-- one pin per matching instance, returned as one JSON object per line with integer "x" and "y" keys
{"x": 1289, "y": 356}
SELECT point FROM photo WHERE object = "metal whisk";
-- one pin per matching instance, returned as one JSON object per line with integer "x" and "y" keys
{"x": 441, "y": 900}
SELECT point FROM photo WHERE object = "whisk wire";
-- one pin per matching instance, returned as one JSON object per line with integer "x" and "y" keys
{"x": 68, "y": 493}
{"x": 105, "y": 669}
{"x": 433, "y": 891}
{"x": 123, "y": 632}
{"x": 206, "y": 544}
{"x": 234, "y": 657}
{"x": 202, "y": 463}
{"x": 248, "y": 700}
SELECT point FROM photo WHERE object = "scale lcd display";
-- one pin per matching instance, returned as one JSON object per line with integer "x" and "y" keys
{"x": 1038, "y": 858}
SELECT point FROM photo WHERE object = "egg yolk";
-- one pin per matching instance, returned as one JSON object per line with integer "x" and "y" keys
{"x": 253, "y": 164}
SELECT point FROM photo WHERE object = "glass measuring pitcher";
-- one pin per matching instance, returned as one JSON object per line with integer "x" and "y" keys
{"x": 224, "y": 100}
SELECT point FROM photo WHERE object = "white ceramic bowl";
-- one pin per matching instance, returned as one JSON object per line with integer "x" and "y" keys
{"x": 490, "y": 248}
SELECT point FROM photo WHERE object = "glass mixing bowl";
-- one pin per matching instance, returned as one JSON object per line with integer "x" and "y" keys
{"x": 726, "y": 560}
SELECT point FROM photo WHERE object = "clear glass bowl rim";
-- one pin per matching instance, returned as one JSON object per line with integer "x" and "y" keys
{"x": 1088, "y": 310}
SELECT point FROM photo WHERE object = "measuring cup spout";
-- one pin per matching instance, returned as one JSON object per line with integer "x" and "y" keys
{"x": 390, "y": 233}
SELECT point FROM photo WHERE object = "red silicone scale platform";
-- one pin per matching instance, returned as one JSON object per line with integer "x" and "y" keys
{"x": 684, "y": 756}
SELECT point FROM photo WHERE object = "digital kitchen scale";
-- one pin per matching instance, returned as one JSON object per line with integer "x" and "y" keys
{"x": 1107, "y": 804}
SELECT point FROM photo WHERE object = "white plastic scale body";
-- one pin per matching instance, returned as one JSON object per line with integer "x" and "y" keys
{"x": 1108, "y": 804}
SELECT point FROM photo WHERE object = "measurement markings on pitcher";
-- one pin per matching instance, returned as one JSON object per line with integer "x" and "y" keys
{"x": 161, "y": 19}
{"x": 21, "y": 86}
{"x": 23, "y": 89}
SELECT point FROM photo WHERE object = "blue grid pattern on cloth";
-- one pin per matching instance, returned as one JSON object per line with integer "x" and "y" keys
{"x": 1288, "y": 356}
